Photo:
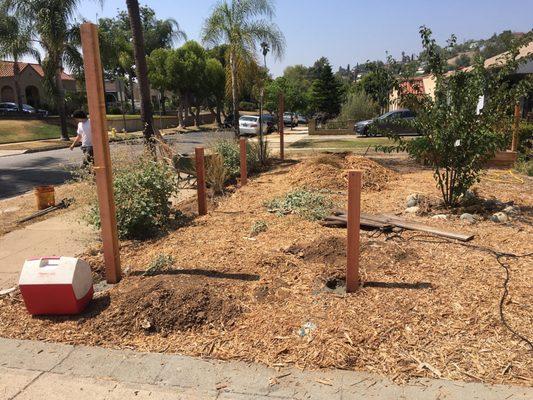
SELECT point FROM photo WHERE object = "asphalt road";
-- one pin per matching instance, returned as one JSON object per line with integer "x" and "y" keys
{"x": 21, "y": 173}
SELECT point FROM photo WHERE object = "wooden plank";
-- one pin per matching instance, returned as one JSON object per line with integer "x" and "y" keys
{"x": 416, "y": 226}
{"x": 94, "y": 83}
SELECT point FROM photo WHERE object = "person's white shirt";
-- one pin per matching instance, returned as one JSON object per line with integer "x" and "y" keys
{"x": 85, "y": 134}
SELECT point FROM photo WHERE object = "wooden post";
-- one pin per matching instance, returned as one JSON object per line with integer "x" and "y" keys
{"x": 94, "y": 83}
{"x": 200, "y": 180}
{"x": 281, "y": 125}
{"x": 354, "y": 221}
{"x": 517, "y": 116}
{"x": 244, "y": 172}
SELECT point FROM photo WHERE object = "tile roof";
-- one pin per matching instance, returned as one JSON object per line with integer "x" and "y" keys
{"x": 6, "y": 70}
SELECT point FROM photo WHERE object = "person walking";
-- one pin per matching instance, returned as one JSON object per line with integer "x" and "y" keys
{"x": 84, "y": 135}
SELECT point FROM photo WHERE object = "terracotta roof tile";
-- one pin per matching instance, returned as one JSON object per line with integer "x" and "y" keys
{"x": 6, "y": 70}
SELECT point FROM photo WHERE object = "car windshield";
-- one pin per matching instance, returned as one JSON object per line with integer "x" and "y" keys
{"x": 28, "y": 107}
{"x": 249, "y": 119}
{"x": 387, "y": 115}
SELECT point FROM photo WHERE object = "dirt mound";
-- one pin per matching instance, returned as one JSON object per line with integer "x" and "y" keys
{"x": 330, "y": 172}
{"x": 330, "y": 250}
{"x": 164, "y": 304}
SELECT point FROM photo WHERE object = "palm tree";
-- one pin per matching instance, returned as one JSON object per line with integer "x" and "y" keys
{"x": 142, "y": 71}
{"x": 16, "y": 42}
{"x": 239, "y": 24}
{"x": 51, "y": 22}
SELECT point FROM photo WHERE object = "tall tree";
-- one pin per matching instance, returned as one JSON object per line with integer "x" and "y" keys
{"x": 242, "y": 25}
{"x": 325, "y": 93}
{"x": 142, "y": 71}
{"x": 51, "y": 22}
{"x": 16, "y": 42}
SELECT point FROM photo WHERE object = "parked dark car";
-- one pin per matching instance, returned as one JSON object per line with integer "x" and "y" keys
{"x": 8, "y": 108}
{"x": 302, "y": 119}
{"x": 392, "y": 121}
{"x": 271, "y": 122}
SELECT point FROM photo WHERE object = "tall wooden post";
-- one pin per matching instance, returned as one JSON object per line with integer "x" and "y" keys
{"x": 517, "y": 116}
{"x": 281, "y": 125}
{"x": 244, "y": 171}
{"x": 200, "y": 180}
{"x": 354, "y": 221}
{"x": 94, "y": 83}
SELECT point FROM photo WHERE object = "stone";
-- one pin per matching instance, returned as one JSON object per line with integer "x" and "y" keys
{"x": 499, "y": 217}
{"x": 440, "y": 216}
{"x": 413, "y": 200}
{"x": 467, "y": 217}
{"x": 412, "y": 210}
{"x": 511, "y": 210}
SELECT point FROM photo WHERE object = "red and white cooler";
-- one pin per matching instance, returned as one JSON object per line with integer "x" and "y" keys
{"x": 56, "y": 285}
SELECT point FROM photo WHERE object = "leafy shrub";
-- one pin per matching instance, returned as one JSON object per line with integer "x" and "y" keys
{"x": 525, "y": 139}
{"x": 247, "y": 106}
{"x": 142, "y": 192}
{"x": 115, "y": 111}
{"x": 358, "y": 106}
{"x": 524, "y": 166}
{"x": 229, "y": 150}
{"x": 310, "y": 205}
{"x": 160, "y": 263}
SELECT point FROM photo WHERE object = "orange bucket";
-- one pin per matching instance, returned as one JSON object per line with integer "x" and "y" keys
{"x": 45, "y": 197}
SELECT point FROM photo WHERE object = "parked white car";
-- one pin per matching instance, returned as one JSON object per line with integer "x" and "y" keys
{"x": 249, "y": 125}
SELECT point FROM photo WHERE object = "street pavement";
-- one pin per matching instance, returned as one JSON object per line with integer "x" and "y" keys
{"x": 21, "y": 173}
{"x": 47, "y": 371}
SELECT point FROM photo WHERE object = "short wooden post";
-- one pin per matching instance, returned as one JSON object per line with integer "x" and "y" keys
{"x": 354, "y": 221}
{"x": 200, "y": 180}
{"x": 281, "y": 125}
{"x": 244, "y": 171}
{"x": 517, "y": 116}
{"x": 94, "y": 83}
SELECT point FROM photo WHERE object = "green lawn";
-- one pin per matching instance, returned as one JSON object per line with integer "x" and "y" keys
{"x": 356, "y": 143}
{"x": 13, "y": 131}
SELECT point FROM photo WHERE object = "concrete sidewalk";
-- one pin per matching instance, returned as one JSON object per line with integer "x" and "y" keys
{"x": 58, "y": 235}
{"x": 45, "y": 371}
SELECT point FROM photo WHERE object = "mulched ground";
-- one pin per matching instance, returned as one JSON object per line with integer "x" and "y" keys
{"x": 428, "y": 307}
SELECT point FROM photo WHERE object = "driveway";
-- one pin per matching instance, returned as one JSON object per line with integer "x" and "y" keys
{"x": 21, "y": 173}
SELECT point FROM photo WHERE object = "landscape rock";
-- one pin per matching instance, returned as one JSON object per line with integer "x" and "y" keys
{"x": 499, "y": 217}
{"x": 413, "y": 200}
{"x": 511, "y": 210}
{"x": 440, "y": 216}
{"x": 468, "y": 218}
{"x": 412, "y": 210}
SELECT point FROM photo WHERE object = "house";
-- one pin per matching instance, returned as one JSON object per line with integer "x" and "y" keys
{"x": 426, "y": 84}
{"x": 30, "y": 81}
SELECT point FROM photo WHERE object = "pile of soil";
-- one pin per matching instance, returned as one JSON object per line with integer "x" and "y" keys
{"x": 164, "y": 304}
{"x": 330, "y": 171}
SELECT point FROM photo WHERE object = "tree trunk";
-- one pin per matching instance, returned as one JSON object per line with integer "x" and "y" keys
{"x": 141, "y": 72}
{"x": 16, "y": 73}
{"x": 61, "y": 109}
{"x": 197, "y": 117}
{"x": 132, "y": 95}
{"x": 233, "y": 67}
{"x": 218, "y": 117}
{"x": 162, "y": 100}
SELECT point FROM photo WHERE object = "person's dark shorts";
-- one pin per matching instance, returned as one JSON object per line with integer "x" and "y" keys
{"x": 88, "y": 155}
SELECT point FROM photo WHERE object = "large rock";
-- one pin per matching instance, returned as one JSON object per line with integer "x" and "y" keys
{"x": 468, "y": 218}
{"x": 499, "y": 217}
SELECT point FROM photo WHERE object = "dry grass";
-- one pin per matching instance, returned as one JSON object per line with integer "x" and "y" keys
{"x": 427, "y": 309}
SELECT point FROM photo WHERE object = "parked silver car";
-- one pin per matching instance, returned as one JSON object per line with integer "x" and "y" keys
{"x": 249, "y": 125}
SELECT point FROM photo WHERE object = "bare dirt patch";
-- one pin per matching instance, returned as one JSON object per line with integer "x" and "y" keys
{"x": 428, "y": 308}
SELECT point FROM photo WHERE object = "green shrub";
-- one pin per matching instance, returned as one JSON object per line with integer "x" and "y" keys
{"x": 524, "y": 166}
{"x": 525, "y": 138}
{"x": 115, "y": 111}
{"x": 247, "y": 106}
{"x": 310, "y": 205}
{"x": 358, "y": 106}
{"x": 230, "y": 151}
{"x": 142, "y": 193}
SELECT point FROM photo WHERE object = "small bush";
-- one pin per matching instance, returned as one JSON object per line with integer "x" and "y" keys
{"x": 230, "y": 152}
{"x": 247, "y": 106}
{"x": 142, "y": 193}
{"x": 115, "y": 111}
{"x": 217, "y": 173}
{"x": 160, "y": 263}
{"x": 310, "y": 205}
{"x": 524, "y": 166}
{"x": 258, "y": 227}
{"x": 358, "y": 106}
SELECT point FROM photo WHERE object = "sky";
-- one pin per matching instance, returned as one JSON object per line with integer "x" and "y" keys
{"x": 351, "y": 31}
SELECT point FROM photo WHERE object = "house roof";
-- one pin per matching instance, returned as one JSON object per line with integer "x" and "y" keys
{"x": 499, "y": 59}
{"x": 6, "y": 70}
